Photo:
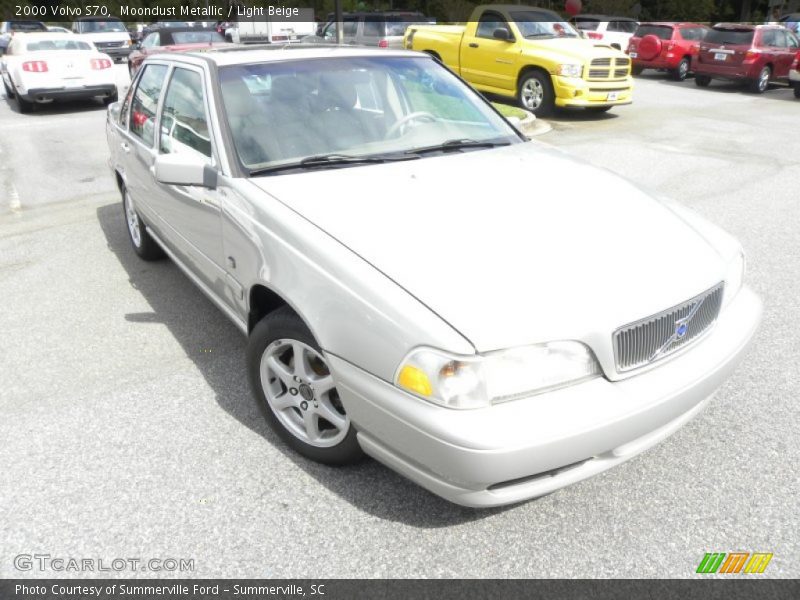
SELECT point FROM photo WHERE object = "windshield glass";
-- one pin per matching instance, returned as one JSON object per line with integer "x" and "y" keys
{"x": 662, "y": 32}
{"x": 197, "y": 37}
{"x": 730, "y": 36}
{"x": 102, "y": 26}
{"x": 535, "y": 24}
{"x": 58, "y": 44}
{"x": 282, "y": 112}
{"x": 27, "y": 26}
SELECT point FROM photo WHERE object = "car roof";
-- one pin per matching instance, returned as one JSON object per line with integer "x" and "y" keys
{"x": 672, "y": 24}
{"x": 108, "y": 18}
{"x": 180, "y": 29}
{"x": 743, "y": 26}
{"x": 237, "y": 54}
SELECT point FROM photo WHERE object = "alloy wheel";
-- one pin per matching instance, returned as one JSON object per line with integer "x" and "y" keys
{"x": 134, "y": 226}
{"x": 532, "y": 94}
{"x": 300, "y": 391}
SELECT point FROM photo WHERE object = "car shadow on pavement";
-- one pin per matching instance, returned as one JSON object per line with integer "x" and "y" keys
{"x": 197, "y": 325}
{"x": 775, "y": 91}
{"x": 58, "y": 107}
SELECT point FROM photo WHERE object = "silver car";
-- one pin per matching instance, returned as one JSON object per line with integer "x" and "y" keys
{"x": 418, "y": 282}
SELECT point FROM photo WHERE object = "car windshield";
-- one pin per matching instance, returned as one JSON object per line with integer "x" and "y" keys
{"x": 60, "y": 44}
{"x": 27, "y": 26}
{"x": 534, "y": 24}
{"x": 283, "y": 112}
{"x": 730, "y": 36}
{"x": 197, "y": 37}
{"x": 103, "y": 26}
{"x": 587, "y": 24}
{"x": 662, "y": 32}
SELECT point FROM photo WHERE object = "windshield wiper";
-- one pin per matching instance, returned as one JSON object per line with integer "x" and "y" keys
{"x": 331, "y": 160}
{"x": 452, "y": 145}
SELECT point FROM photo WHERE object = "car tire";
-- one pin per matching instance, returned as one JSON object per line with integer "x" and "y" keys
{"x": 9, "y": 91}
{"x": 702, "y": 80}
{"x": 296, "y": 400}
{"x": 23, "y": 105}
{"x": 143, "y": 244}
{"x": 797, "y": 90}
{"x": 535, "y": 93}
{"x": 760, "y": 84}
{"x": 681, "y": 72}
{"x": 636, "y": 70}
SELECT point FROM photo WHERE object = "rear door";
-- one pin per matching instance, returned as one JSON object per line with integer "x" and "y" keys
{"x": 785, "y": 51}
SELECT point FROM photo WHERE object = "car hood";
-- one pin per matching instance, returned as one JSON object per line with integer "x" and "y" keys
{"x": 107, "y": 36}
{"x": 514, "y": 245}
{"x": 580, "y": 49}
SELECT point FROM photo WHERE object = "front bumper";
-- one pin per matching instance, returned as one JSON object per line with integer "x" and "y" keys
{"x": 527, "y": 448}
{"x": 117, "y": 52}
{"x": 659, "y": 62}
{"x": 64, "y": 93}
{"x": 572, "y": 92}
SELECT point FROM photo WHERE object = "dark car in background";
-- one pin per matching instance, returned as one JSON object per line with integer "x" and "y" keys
{"x": 755, "y": 54}
{"x": 381, "y": 29}
{"x": 9, "y": 28}
{"x": 666, "y": 46}
{"x": 172, "y": 39}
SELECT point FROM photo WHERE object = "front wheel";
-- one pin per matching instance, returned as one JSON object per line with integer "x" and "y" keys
{"x": 681, "y": 71}
{"x": 143, "y": 244}
{"x": 535, "y": 93}
{"x": 295, "y": 390}
{"x": 760, "y": 84}
{"x": 702, "y": 80}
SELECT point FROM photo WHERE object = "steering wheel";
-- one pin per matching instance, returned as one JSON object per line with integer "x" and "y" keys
{"x": 407, "y": 119}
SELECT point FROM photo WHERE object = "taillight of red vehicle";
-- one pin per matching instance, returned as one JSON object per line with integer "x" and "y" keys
{"x": 99, "y": 64}
{"x": 752, "y": 55}
{"x": 35, "y": 66}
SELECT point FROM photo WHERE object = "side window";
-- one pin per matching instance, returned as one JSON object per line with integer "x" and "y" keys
{"x": 145, "y": 103}
{"x": 151, "y": 40}
{"x": 350, "y": 26}
{"x": 184, "y": 124}
{"x": 373, "y": 27}
{"x": 781, "y": 39}
{"x": 692, "y": 34}
{"x": 794, "y": 44}
{"x": 488, "y": 22}
{"x": 768, "y": 37}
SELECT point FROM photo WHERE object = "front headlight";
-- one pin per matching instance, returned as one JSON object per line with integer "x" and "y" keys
{"x": 478, "y": 381}
{"x": 734, "y": 277}
{"x": 570, "y": 70}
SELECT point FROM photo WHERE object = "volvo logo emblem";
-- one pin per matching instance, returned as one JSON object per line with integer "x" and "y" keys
{"x": 680, "y": 331}
{"x": 306, "y": 392}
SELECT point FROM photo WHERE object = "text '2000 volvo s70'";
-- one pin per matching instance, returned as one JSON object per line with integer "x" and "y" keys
{"x": 368, "y": 220}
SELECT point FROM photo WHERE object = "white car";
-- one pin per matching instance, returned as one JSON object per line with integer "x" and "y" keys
{"x": 57, "y": 29}
{"x": 41, "y": 67}
{"x": 108, "y": 34}
{"x": 614, "y": 31}
{"x": 406, "y": 291}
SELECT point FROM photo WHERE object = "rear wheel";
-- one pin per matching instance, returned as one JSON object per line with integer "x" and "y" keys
{"x": 295, "y": 390}
{"x": 682, "y": 70}
{"x": 9, "y": 91}
{"x": 535, "y": 93}
{"x": 23, "y": 105}
{"x": 144, "y": 245}
{"x": 112, "y": 98}
{"x": 636, "y": 70}
{"x": 760, "y": 84}
{"x": 702, "y": 80}
{"x": 797, "y": 90}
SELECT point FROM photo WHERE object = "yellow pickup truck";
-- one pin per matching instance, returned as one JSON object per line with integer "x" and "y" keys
{"x": 530, "y": 54}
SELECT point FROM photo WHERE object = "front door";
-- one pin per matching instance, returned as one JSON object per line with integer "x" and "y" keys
{"x": 486, "y": 60}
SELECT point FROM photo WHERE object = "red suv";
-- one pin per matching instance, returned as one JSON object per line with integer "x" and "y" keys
{"x": 757, "y": 54}
{"x": 665, "y": 46}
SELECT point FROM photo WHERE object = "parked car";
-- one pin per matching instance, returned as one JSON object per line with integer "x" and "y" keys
{"x": 666, "y": 46}
{"x": 172, "y": 39}
{"x": 269, "y": 32}
{"x": 755, "y": 54}
{"x": 794, "y": 75}
{"x": 614, "y": 31}
{"x": 791, "y": 22}
{"x": 489, "y": 339}
{"x": 529, "y": 54}
{"x": 9, "y": 28}
{"x": 381, "y": 29}
{"x": 108, "y": 34}
{"x": 42, "y": 67}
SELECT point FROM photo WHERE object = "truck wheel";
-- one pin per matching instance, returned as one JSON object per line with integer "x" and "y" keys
{"x": 295, "y": 390}
{"x": 761, "y": 83}
{"x": 535, "y": 93}
{"x": 682, "y": 70}
{"x": 702, "y": 80}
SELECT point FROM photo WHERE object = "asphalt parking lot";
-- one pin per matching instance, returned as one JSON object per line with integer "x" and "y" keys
{"x": 128, "y": 429}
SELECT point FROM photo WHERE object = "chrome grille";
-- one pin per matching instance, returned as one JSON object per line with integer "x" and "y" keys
{"x": 598, "y": 73}
{"x": 620, "y": 73}
{"x": 608, "y": 68}
{"x": 623, "y": 62}
{"x": 651, "y": 339}
{"x": 109, "y": 44}
{"x": 601, "y": 62}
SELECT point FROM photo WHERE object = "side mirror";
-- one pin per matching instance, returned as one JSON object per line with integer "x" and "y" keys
{"x": 501, "y": 33}
{"x": 185, "y": 169}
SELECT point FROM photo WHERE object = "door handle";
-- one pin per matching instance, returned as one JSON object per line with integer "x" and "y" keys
{"x": 473, "y": 45}
{"x": 125, "y": 146}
